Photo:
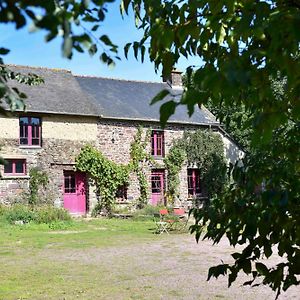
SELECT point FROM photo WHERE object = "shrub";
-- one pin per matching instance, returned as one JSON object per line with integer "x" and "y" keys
{"x": 39, "y": 215}
{"x": 146, "y": 213}
{"x": 50, "y": 214}
{"x": 19, "y": 212}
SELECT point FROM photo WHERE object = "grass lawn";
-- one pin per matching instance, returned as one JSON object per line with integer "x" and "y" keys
{"x": 111, "y": 259}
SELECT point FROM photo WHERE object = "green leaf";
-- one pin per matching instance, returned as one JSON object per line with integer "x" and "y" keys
{"x": 261, "y": 268}
{"x": 105, "y": 39}
{"x": 4, "y": 51}
{"x": 67, "y": 47}
{"x": 126, "y": 49}
{"x": 160, "y": 96}
{"x": 167, "y": 110}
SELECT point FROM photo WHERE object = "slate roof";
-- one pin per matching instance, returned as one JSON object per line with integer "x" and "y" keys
{"x": 65, "y": 93}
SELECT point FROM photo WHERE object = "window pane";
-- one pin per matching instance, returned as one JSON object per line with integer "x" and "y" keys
{"x": 8, "y": 168}
{"x": 19, "y": 167}
{"x": 157, "y": 143}
{"x": 24, "y": 121}
{"x": 156, "y": 184}
{"x": 70, "y": 187}
{"x": 24, "y": 131}
{"x": 35, "y": 121}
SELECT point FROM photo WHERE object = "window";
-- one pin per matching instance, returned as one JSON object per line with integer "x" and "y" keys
{"x": 15, "y": 167}
{"x": 121, "y": 193}
{"x": 70, "y": 183}
{"x": 194, "y": 182}
{"x": 30, "y": 131}
{"x": 157, "y": 143}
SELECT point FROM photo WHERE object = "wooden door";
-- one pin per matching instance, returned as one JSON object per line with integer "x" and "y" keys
{"x": 75, "y": 192}
{"x": 157, "y": 187}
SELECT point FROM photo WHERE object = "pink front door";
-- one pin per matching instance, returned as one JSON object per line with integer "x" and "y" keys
{"x": 75, "y": 192}
{"x": 157, "y": 187}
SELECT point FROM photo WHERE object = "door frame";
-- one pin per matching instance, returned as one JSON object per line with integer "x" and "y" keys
{"x": 80, "y": 178}
{"x": 161, "y": 174}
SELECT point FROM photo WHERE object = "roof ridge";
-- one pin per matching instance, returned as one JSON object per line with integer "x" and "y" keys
{"x": 40, "y": 68}
{"x": 116, "y": 79}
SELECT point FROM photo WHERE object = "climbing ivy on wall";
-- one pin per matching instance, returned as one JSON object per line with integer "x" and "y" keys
{"x": 203, "y": 149}
{"x": 38, "y": 179}
{"x": 140, "y": 158}
{"x": 173, "y": 163}
{"x": 104, "y": 173}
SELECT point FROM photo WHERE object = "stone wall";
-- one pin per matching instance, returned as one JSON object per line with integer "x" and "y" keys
{"x": 114, "y": 140}
{"x": 62, "y": 139}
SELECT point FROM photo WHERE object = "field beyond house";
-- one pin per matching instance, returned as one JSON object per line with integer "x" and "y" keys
{"x": 113, "y": 259}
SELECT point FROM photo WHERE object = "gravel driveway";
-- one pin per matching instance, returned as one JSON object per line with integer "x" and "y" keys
{"x": 170, "y": 267}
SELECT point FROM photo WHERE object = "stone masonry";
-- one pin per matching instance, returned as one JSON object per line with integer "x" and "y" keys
{"x": 62, "y": 139}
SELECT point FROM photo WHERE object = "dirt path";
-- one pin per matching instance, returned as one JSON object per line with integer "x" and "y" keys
{"x": 170, "y": 267}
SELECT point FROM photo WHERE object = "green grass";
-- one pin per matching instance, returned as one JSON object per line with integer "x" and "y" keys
{"x": 36, "y": 262}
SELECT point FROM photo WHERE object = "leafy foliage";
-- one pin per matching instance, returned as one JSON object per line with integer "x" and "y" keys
{"x": 39, "y": 214}
{"x": 260, "y": 215}
{"x": 37, "y": 180}
{"x": 105, "y": 174}
{"x": 203, "y": 149}
{"x": 140, "y": 158}
{"x": 242, "y": 47}
{"x": 14, "y": 98}
{"x": 173, "y": 162}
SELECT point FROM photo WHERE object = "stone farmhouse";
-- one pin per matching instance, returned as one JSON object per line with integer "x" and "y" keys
{"x": 69, "y": 111}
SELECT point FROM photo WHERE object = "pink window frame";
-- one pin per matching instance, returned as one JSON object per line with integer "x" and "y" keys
{"x": 30, "y": 129}
{"x": 157, "y": 143}
{"x": 13, "y": 162}
{"x": 195, "y": 174}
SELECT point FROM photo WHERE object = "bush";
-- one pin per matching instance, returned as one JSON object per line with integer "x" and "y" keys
{"x": 50, "y": 214}
{"x": 19, "y": 212}
{"x": 39, "y": 215}
{"x": 146, "y": 213}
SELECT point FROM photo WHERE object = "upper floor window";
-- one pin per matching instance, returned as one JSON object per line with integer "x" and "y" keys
{"x": 15, "y": 167}
{"x": 157, "y": 143}
{"x": 30, "y": 131}
{"x": 194, "y": 182}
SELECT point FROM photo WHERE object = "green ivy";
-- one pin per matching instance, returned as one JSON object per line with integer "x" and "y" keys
{"x": 105, "y": 174}
{"x": 140, "y": 158}
{"x": 203, "y": 149}
{"x": 173, "y": 162}
{"x": 37, "y": 179}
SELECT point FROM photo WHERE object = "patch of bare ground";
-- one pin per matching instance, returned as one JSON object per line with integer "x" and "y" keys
{"x": 168, "y": 267}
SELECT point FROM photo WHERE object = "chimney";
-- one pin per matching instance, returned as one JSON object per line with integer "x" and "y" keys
{"x": 175, "y": 79}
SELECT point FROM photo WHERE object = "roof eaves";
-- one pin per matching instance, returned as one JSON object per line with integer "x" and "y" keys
{"x": 214, "y": 124}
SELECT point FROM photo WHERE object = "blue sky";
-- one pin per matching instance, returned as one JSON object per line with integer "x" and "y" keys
{"x": 30, "y": 49}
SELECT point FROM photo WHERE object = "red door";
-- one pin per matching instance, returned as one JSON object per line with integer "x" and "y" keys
{"x": 157, "y": 187}
{"x": 74, "y": 192}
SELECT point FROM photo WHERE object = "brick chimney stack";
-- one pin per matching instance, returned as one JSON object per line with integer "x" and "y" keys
{"x": 175, "y": 79}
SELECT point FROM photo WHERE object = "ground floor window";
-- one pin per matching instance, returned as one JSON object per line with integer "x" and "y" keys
{"x": 194, "y": 182}
{"x": 121, "y": 193}
{"x": 15, "y": 167}
{"x": 70, "y": 183}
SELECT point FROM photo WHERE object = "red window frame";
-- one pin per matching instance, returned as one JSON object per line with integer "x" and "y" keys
{"x": 157, "y": 143}
{"x": 194, "y": 182}
{"x": 30, "y": 132}
{"x": 10, "y": 169}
